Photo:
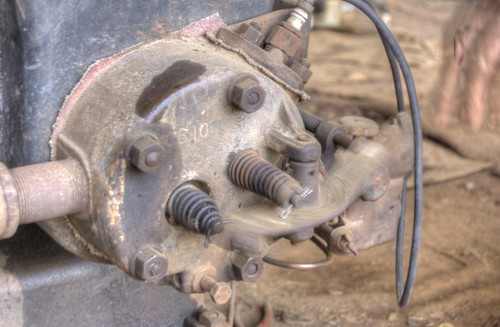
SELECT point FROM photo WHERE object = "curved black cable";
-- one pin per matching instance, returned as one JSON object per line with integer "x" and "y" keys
{"x": 396, "y": 77}
{"x": 404, "y": 294}
{"x": 400, "y": 244}
{"x": 402, "y": 218}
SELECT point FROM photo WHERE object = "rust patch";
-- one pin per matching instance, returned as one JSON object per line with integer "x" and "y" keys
{"x": 151, "y": 104}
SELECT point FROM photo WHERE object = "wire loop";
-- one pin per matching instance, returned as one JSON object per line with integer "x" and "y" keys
{"x": 304, "y": 266}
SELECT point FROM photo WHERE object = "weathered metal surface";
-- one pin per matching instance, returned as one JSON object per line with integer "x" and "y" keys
{"x": 276, "y": 62}
{"x": 46, "y": 47}
{"x": 149, "y": 121}
{"x": 362, "y": 170}
{"x": 43, "y": 285}
{"x": 179, "y": 100}
{"x": 38, "y": 192}
{"x": 51, "y": 189}
{"x": 186, "y": 109}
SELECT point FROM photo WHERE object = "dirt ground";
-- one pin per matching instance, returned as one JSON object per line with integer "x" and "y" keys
{"x": 458, "y": 281}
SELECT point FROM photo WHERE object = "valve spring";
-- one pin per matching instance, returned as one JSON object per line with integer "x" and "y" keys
{"x": 247, "y": 169}
{"x": 311, "y": 122}
{"x": 195, "y": 210}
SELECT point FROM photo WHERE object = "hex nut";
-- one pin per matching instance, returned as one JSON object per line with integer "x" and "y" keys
{"x": 146, "y": 154}
{"x": 151, "y": 265}
{"x": 284, "y": 39}
{"x": 302, "y": 69}
{"x": 247, "y": 94}
{"x": 252, "y": 32}
{"x": 221, "y": 293}
{"x": 247, "y": 269}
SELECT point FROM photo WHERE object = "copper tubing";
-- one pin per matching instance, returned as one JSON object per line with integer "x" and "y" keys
{"x": 39, "y": 192}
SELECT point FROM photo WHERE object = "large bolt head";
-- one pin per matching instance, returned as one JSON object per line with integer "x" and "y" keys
{"x": 151, "y": 265}
{"x": 247, "y": 94}
{"x": 221, "y": 293}
{"x": 146, "y": 154}
{"x": 247, "y": 269}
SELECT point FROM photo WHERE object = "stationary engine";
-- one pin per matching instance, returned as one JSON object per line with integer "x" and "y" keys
{"x": 183, "y": 160}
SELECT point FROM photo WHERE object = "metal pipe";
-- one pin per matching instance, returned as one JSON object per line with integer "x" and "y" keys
{"x": 39, "y": 192}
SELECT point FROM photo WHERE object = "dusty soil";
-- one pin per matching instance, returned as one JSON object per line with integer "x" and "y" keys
{"x": 458, "y": 282}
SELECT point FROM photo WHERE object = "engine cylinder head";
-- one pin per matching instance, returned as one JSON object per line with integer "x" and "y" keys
{"x": 195, "y": 210}
{"x": 249, "y": 170}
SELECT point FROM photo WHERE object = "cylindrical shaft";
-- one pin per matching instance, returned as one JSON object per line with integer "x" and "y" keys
{"x": 39, "y": 192}
{"x": 49, "y": 190}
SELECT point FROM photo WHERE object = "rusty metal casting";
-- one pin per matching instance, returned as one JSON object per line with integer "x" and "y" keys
{"x": 282, "y": 51}
{"x": 151, "y": 159}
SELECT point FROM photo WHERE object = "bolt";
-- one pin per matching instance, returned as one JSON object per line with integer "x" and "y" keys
{"x": 153, "y": 159}
{"x": 247, "y": 94}
{"x": 146, "y": 154}
{"x": 150, "y": 265}
{"x": 252, "y": 269}
{"x": 219, "y": 292}
{"x": 342, "y": 241}
{"x": 253, "y": 98}
{"x": 252, "y": 33}
{"x": 248, "y": 269}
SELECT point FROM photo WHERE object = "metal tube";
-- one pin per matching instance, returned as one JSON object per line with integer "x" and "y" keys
{"x": 39, "y": 192}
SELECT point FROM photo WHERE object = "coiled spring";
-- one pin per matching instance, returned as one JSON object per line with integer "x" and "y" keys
{"x": 195, "y": 210}
{"x": 247, "y": 169}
